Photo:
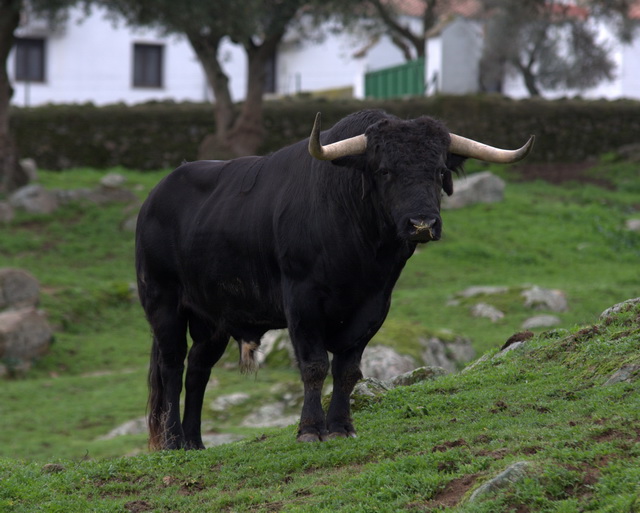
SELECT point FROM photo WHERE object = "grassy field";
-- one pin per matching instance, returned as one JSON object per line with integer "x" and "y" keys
{"x": 547, "y": 406}
{"x": 569, "y": 237}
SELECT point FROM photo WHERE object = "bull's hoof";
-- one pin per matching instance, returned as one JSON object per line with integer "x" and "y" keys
{"x": 341, "y": 434}
{"x": 309, "y": 437}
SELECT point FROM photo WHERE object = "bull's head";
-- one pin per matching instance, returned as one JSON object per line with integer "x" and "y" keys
{"x": 412, "y": 162}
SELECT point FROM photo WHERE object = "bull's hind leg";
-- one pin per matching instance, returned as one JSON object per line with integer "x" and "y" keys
{"x": 169, "y": 327}
{"x": 208, "y": 346}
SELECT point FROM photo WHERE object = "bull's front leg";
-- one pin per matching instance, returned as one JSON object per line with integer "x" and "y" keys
{"x": 314, "y": 366}
{"x": 346, "y": 373}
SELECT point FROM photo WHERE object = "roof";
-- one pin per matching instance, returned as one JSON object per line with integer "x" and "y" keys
{"x": 466, "y": 8}
{"x": 473, "y": 8}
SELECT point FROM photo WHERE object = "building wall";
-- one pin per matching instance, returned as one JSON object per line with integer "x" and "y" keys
{"x": 461, "y": 52}
{"x": 338, "y": 59}
{"x": 90, "y": 59}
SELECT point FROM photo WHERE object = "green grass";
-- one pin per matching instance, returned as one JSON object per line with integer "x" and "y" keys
{"x": 545, "y": 404}
{"x": 421, "y": 448}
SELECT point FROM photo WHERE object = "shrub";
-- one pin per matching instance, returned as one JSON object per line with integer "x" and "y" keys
{"x": 162, "y": 134}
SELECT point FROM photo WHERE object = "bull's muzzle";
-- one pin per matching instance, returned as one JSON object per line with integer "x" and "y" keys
{"x": 424, "y": 229}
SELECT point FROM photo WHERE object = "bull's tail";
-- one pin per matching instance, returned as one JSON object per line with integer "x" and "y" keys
{"x": 155, "y": 413}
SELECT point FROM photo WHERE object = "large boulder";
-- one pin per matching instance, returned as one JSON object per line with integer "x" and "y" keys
{"x": 484, "y": 187}
{"x": 384, "y": 363}
{"x": 25, "y": 333}
{"x": 34, "y": 199}
{"x": 18, "y": 289}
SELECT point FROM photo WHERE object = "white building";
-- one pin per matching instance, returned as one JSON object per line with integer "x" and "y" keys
{"x": 92, "y": 59}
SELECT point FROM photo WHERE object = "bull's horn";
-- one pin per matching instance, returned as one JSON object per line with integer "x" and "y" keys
{"x": 352, "y": 146}
{"x": 473, "y": 149}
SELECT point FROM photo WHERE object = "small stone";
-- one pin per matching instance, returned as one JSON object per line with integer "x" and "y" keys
{"x": 629, "y": 303}
{"x": 487, "y": 311}
{"x": 112, "y": 180}
{"x": 417, "y": 376}
{"x": 541, "y": 321}
{"x": 633, "y": 225}
{"x": 626, "y": 374}
{"x": 224, "y": 402}
{"x": 482, "y": 290}
{"x": 510, "y": 475}
{"x": 545, "y": 299}
{"x": 53, "y": 468}
{"x": 34, "y": 199}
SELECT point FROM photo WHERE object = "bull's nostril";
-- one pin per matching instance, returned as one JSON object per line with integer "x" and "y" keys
{"x": 425, "y": 229}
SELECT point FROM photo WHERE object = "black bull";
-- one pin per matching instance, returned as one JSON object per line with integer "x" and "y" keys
{"x": 236, "y": 248}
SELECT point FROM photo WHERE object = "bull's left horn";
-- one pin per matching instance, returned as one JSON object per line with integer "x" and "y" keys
{"x": 352, "y": 146}
{"x": 476, "y": 150}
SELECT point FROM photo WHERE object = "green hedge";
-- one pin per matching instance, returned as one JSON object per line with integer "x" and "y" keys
{"x": 162, "y": 135}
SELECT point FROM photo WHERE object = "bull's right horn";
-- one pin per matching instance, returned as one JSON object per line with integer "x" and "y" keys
{"x": 476, "y": 150}
{"x": 352, "y": 146}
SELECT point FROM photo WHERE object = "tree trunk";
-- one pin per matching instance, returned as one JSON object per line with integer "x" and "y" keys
{"x": 10, "y": 177}
{"x": 247, "y": 133}
{"x": 214, "y": 146}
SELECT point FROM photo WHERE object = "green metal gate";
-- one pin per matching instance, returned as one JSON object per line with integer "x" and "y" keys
{"x": 402, "y": 80}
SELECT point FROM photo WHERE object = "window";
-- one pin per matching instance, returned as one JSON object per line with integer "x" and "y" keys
{"x": 147, "y": 65}
{"x": 30, "y": 60}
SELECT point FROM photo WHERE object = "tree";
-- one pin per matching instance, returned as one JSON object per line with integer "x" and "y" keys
{"x": 10, "y": 11}
{"x": 407, "y": 24}
{"x": 552, "y": 44}
{"x": 257, "y": 25}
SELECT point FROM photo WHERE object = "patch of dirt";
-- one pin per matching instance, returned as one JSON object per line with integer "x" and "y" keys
{"x": 450, "y": 445}
{"x": 560, "y": 172}
{"x": 138, "y": 506}
{"x": 448, "y": 497}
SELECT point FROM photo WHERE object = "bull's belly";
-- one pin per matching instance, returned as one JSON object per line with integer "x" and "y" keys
{"x": 243, "y": 316}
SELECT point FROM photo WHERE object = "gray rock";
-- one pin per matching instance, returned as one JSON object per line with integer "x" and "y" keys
{"x": 132, "y": 427}
{"x": 270, "y": 415}
{"x": 112, "y": 180}
{"x": 620, "y": 307}
{"x": 510, "y": 475}
{"x": 417, "y": 376}
{"x": 487, "y": 311}
{"x": 224, "y": 402}
{"x": 25, "y": 334}
{"x": 18, "y": 289}
{"x": 29, "y": 168}
{"x": 541, "y": 321}
{"x": 384, "y": 363}
{"x": 482, "y": 290}
{"x": 276, "y": 348}
{"x": 448, "y": 354}
{"x": 6, "y": 212}
{"x": 633, "y": 225}
{"x": 545, "y": 299}
{"x": 34, "y": 199}
{"x": 215, "y": 439}
{"x": 368, "y": 391}
{"x": 482, "y": 187}
{"x": 626, "y": 374}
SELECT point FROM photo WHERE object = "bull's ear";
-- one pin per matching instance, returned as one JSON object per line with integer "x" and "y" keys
{"x": 454, "y": 161}
{"x": 447, "y": 182}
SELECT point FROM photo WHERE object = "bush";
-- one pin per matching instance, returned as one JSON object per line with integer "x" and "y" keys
{"x": 162, "y": 135}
